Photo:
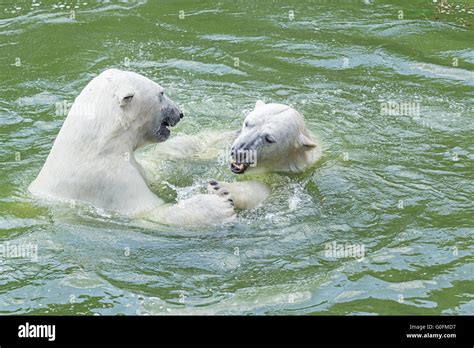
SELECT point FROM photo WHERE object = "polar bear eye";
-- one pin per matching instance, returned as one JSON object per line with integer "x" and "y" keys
{"x": 269, "y": 139}
{"x": 128, "y": 98}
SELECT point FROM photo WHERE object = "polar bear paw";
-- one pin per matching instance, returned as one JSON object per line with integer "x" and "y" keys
{"x": 219, "y": 188}
{"x": 200, "y": 210}
{"x": 245, "y": 195}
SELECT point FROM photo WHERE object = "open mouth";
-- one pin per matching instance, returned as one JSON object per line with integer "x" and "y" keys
{"x": 165, "y": 125}
{"x": 164, "y": 131}
{"x": 238, "y": 168}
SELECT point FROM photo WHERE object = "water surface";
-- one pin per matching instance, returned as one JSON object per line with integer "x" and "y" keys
{"x": 400, "y": 186}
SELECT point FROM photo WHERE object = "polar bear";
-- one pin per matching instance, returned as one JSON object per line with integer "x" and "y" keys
{"x": 273, "y": 138}
{"x": 277, "y": 137}
{"x": 92, "y": 159}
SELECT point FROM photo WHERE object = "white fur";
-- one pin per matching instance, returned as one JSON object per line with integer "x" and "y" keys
{"x": 92, "y": 159}
{"x": 294, "y": 148}
{"x": 245, "y": 194}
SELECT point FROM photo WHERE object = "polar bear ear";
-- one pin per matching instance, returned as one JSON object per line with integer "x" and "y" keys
{"x": 259, "y": 104}
{"x": 125, "y": 96}
{"x": 305, "y": 141}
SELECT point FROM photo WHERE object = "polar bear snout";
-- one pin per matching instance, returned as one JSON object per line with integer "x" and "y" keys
{"x": 243, "y": 155}
{"x": 170, "y": 112}
{"x": 170, "y": 115}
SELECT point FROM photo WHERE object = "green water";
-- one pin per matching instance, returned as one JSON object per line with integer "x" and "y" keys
{"x": 400, "y": 186}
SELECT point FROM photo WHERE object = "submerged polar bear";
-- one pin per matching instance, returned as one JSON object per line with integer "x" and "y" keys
{"x": 273, "y": 138}
{"x": 92, "y": 159}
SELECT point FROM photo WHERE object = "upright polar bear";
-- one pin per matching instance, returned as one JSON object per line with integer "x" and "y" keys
{"x": 92, "y": 159}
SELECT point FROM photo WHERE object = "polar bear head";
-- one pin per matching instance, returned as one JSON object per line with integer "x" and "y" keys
{"x": 273, "y": 138}
{"x": 127, "y": 108}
